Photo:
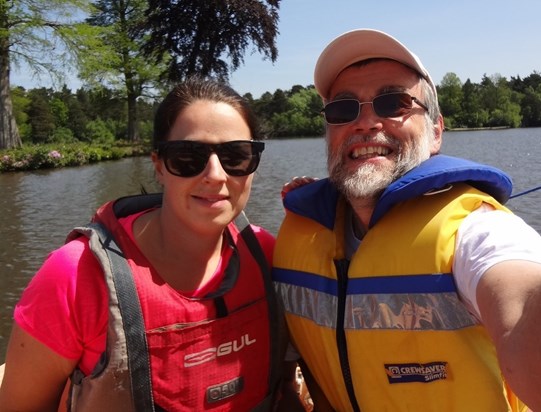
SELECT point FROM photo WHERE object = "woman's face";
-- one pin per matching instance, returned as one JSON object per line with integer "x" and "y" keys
{"x": 210, "y": 200}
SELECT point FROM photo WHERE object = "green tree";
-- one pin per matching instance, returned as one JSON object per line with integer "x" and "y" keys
{"x": 107, "y": 103}
{"x": 198, "y": 36}
{"x": 60, "y": 111}
{"x": 450, "y": 98}
{"x": 302, "y": 116}
{"x": 530, "y": 90}
{"x": 531, "y": 107}
{"x": 115, "y": 58}
{"x": 489, "y": 93}
{"x": 279, "y": 102}
{"x": 77, "y": 113}
{"x": 472, "y": 113}
{"x": 261, "y": 108}
{"x": 502, "y": 103}
{"x": 42, "y": 120}
{"x": 38, "y": 33}
{"x": 520, "y": 85}
{"x": 98, "y": 131}
{"x": 21, "y": 104}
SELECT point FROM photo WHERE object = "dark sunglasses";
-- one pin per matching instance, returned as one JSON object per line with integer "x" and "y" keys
{"x": 385, "y": 105}
{"x": 187, "y": 158}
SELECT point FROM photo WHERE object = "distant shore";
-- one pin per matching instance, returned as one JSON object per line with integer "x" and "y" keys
{"x": 469, "y": 129}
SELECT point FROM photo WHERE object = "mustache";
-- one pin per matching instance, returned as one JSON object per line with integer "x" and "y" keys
{"x": 380, "y": 138}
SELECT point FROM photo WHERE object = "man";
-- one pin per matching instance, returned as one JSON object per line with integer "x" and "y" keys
{"x": 407, "y": 285}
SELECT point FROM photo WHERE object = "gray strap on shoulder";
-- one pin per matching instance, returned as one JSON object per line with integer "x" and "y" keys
{"x": 132, "y": 320}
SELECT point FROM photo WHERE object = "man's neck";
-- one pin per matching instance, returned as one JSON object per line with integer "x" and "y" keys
{"x": 363, "y": 209}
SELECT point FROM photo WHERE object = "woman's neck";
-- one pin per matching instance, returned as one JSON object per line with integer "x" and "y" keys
{"x": 183, "y": 258}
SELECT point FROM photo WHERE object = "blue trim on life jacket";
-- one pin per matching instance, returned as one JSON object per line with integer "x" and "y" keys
{"x": 305, "y": 280}
{"x": 318, "y": 200}
{"x": 432, "y": 283}
{"x": 439, "y": 171}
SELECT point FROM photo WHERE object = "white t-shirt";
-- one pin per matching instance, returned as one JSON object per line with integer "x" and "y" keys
{"x": 487, "y": 237}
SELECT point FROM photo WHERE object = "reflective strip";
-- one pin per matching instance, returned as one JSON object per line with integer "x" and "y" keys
{"x": 409, "y": 302}
{"x": 407, "y": 311}
{"x": 311, "y": 304}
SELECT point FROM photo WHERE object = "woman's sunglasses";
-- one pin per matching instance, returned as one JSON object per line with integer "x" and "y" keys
{"x": 187, "y": 158}
{"x": 385, "y": 105}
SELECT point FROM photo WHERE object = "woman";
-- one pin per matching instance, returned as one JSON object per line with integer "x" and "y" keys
{"x": 198, "y": 330}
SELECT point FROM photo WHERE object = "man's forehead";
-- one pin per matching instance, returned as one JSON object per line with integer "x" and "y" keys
{"x": 380, "y": 76}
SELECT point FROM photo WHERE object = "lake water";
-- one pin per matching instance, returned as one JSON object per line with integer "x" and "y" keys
{"x": 37, "y": 209}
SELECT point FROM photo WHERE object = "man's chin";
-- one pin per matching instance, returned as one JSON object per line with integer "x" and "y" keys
{"x": 364, "y": 186}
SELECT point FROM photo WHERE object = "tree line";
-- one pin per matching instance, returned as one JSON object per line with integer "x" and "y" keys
{"x": 494, "y": 102}
{"x": 128, "y": 53}
{"x": 100, "y": 114}
{"x": 97, "y": 115}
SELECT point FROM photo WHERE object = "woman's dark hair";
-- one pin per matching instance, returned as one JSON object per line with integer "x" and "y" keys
{"x": 194, "y": 89}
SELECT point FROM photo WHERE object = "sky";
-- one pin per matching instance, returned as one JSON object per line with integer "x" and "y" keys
{"x": 470, "y": 38}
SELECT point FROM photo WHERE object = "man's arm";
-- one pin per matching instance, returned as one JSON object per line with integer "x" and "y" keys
{"x": 509, "y": 299}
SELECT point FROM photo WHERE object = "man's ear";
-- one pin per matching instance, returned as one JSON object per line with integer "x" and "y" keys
{"x": 438, "y": 135}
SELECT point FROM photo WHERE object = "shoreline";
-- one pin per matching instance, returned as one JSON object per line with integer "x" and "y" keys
{"x": 469, "y": 129}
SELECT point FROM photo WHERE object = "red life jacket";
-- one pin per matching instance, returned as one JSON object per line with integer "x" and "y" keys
{"x": 169, "y": 352}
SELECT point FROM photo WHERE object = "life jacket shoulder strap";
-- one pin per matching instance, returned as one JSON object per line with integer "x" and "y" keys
{"x": 125, "y": 309}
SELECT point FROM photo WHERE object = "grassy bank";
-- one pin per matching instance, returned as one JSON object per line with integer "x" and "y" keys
{"x": 47, "y": 156}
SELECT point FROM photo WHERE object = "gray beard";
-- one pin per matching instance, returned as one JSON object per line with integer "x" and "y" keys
{"x": 369, "y": 181}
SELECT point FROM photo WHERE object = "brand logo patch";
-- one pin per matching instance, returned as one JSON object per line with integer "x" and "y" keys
{"x": 416, "y": 372}
{"x": 224, "y": 390}
{"x": 224, "y": 349}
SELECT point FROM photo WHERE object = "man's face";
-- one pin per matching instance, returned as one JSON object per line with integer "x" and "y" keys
{"x": 369, "y": 153}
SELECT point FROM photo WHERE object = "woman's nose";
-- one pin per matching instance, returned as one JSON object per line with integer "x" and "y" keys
{"x": 214, "y": 170}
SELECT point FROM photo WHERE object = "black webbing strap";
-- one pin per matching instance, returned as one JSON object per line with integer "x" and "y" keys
{"x": 128, "y": 205}
{"x": 132, "y": 321}
{"x": 276, "y": 318}
{"x": 221, "y": 307}
{"x": 341, "y": 342}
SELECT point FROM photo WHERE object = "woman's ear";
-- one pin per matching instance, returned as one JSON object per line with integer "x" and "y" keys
{"x": 158, "y": 166}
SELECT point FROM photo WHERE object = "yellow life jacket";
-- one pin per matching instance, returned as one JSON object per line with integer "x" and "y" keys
{"x": 387, "y": 330}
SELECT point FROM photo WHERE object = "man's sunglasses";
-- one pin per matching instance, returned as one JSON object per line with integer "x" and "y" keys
{"x": 187, "y": 158}
{"x": 385, "y": 105}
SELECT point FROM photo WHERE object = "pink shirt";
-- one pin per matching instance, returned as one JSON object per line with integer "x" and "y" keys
{"x": 65, "y": 305}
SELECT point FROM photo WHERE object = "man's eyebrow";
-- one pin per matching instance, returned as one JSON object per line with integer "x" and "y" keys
{"x": 344, "y": 95}
{"x": 392, "y": 89}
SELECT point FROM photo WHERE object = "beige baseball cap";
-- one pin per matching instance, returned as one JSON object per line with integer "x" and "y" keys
{"x": 357, "y": 45}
